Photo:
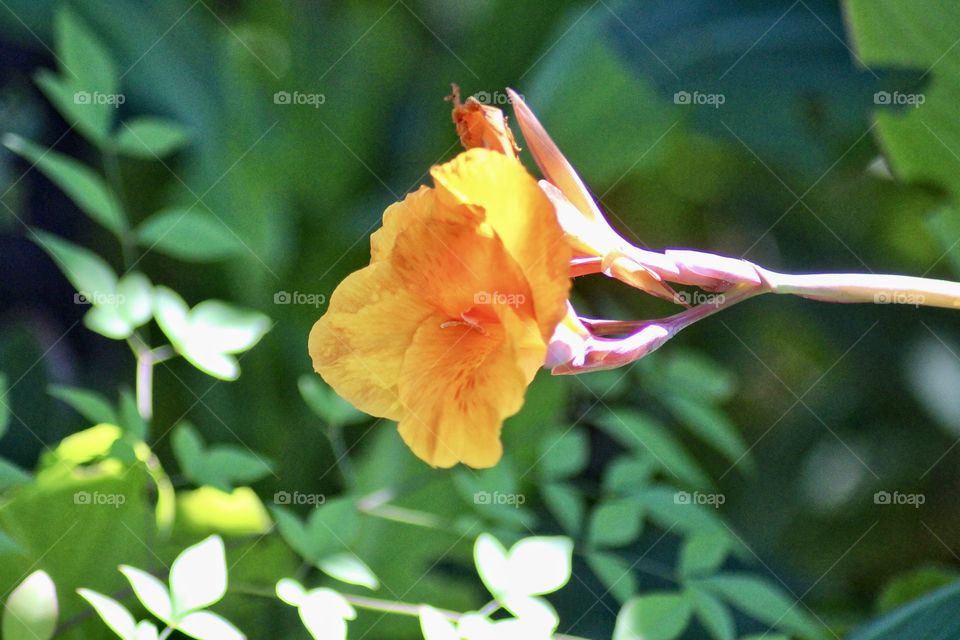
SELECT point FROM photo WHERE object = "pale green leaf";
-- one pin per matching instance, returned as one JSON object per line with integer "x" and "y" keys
{"x": 188, "y": 234}
{"x": 90, "y": 275}
{"x": 653, "y": 616}
{"x": 347, "y": 567}
{"x": 615, "y": 523}
{"x": 31, "y": 611}
{"x": 150, "y": 138}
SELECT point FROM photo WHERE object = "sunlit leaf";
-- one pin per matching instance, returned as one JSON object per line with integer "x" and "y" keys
{"x": 206, "y": 625}
{"x": 31, "y": 611}
{"x": 436, "y": 626}
{"x": 533, "y": 566}
{"x": 151, "y": 593}
{"x": 114, "y": 614}
{"x": 713, "y": 614}
{"x": 347, "y": 567}
{"x": 291, "y": 592}
{"x": 198, "y": 577}
{"x": 324, "y": 613}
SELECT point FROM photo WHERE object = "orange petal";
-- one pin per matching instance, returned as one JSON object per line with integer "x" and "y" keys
{"x": 522, "y": 217}
{"x": 358, "y": 345}
{"x": 416, "y": 206}
{"x": 455, "y": 267}
{"x": 458, "y": 384}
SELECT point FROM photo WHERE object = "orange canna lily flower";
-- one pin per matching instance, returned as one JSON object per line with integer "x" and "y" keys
{"x": 448, "y": 325}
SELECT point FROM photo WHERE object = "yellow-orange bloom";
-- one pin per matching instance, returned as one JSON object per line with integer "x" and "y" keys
{"x": 447, "y": 326}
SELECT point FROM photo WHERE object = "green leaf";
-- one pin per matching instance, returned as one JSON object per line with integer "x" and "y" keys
{"x": 629, "y": 474}
{"x": 615, "y": 523}
{"x": 325, "y": 403}
{"x": 935, "y": 616}
{"x": 564, "y": 455}
{"x": 89, "y": 404}
{"x": 642, "y": 434}
{"x": 93, "y": 121}
{"x": 11, "y": 475}
{"x": 713, "y": 614}
{"x": 692, "y": 375}
{"x": 150, "y": 138}
{"x": 220, "y": 466}
{"x": 130, "y": 419}
{"x": 334, "y": 525}
{"x": 4, "y": 404}
{"x": 347, "y": 567}
{"x": 294, "y": 532}
{"x": 763, "y": 601}
{"x": 653, "y": 616}
{"x": 713, "y": 427}
{"x": 85, "y": 187}
{"x": 114, "y": 614}
{"x": 703, "y": 553}
{"x": 188, "y": 447}
{"x": 661, "y": 505}
{"x": 887, "y": 33}
{"x": 90, "y": 275}
{"x": 189, "y": 235}
{"x": 909, "y": 586}
{"x": 615, "y": 573}
{"x": 31, "y": 611}
{"x": 198, "y": 577}
{"x": 566, "y": 504}
{"x": 81, "y": 55}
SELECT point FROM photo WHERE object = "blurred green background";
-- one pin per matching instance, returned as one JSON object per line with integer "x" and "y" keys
{"x": 799, "y": 169}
